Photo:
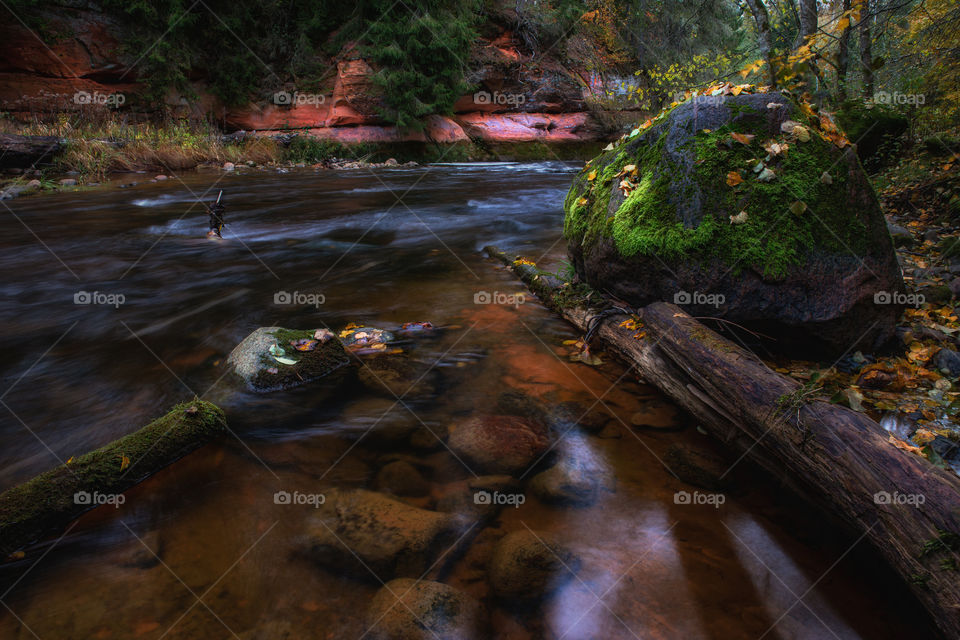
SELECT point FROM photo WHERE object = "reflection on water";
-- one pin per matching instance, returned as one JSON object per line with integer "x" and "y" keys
{"x": 203, "y": 550}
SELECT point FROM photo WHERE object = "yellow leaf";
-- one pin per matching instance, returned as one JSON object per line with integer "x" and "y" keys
{"x": 734, "y": 178}
{"x": 592, "y": 175}
{"x": 124, "y": 462}
{"x": 843, "y": 24}
{"x": 743, "y": 138}
{"x": 798, "y": 207}
{"x": 70, "y": 460}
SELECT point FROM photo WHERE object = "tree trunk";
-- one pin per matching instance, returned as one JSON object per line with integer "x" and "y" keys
{"x": 843, "y": 58}
{"x": 52, "y": 499}
{"x": 836, "y": 457}
{"x": 808, "y": 22}
{"x": 762, "y": 20}
{"x": 23, "y": 152}
{"x": 866, "y": 55}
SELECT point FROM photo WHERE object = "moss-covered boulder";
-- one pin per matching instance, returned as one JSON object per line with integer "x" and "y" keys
{"x": 743, "y": 207}
{"x": 273, "y": 358}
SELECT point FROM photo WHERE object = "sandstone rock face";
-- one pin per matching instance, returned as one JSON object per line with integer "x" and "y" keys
{"x": 515, "y": 102}
{"x": 729, "y": 228}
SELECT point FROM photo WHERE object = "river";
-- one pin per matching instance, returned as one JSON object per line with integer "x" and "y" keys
{"x": 115, "y": 307}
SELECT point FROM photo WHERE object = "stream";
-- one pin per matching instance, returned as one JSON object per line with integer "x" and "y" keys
{"x": 115, "y": 307}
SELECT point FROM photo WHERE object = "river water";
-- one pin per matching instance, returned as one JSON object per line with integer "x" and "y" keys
{"x": 202, "y": 550}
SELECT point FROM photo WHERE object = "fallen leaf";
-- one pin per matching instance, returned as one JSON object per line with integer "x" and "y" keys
{"x": 304, "y": 344}
{"x": 766, "y": 175}
{"x": 740, "y": 218}
{"x": 124, "y": 462}
{"x": 798, "y": 207}
{"x": 900, "y": 444}
{"x": 801, "y": 132}
{"x": 825, "y": 178}
{"x": 743, "y": 138}
{"x": 787, "y": 126}
{"x": 734, "y": 178}
{"x": 774, "y": 105}
{"x": 592, "y": 175}
{"x": 609, "y": 147}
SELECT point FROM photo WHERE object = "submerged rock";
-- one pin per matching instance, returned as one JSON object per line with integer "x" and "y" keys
{"x": 389, "y": 537}
{"x": 737, "y": 228}
{"x": 267, "y": 361}
{"x": 698, "y": 467}
{"x": 402, "y": 479}
{"x": 527, "y": 565}
{"x": 499, "y": 443}
{"x": 405, "y": 609}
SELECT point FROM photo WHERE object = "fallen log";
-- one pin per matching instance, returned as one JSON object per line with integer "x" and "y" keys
{"x": 51, "y": 500}
{"x": 26, "y": 151}
{"x": 839, "y": 459}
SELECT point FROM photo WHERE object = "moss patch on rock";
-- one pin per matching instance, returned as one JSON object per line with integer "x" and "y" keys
{"x": 676, "y": 166}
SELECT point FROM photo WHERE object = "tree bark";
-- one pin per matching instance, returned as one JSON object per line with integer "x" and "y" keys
{"x": 51, "y": 500}
{"x": 838, "y": 458}
{"x": 808, "y": 22}
{"x": 22, "y": 152}
{"x": 866, "y": 55}
{"x": 762, "y": 20}
{"x": 843, "y": 58}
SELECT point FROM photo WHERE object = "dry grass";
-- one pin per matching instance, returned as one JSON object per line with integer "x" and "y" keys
{"x": 99, "y": 144}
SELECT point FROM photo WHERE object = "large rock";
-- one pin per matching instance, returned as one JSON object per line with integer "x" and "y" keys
{"x": 803, "y": 263}
{"x": 361, "y": 531}
{"x": 499, "y": 443}
{"x": 268, "y": 360}
{"x": 526, "y": 565}
{"x": 407, "y": 609}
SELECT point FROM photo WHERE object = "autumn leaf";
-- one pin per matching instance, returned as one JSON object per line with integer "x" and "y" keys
{"x": 766, "y": 175}
{"x": 743, "y": 138}
{"x": 798, "y": 207}
{"x": 69, "y": 460}
{"x": 734, "y": 178}
{"x": 803, "y": 135}
{"x": 124, "y": 462}
{"x": 825, "y": 178}
{"x": 776, "y": 148}
{"x": 592, "y": 176}
{"x": 900, "y": 444}
{"x": 740, "y": 218}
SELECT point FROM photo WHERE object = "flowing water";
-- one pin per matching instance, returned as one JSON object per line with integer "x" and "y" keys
{"x": 202, "y": 549}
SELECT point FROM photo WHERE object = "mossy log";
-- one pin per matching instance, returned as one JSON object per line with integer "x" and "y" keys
{"x": 838, "y": 458}
{"x": 50, "y": 501}
{"x": 26, "y": 151}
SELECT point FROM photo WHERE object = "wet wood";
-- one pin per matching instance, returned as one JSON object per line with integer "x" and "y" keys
{"x": 50, "y": 501}
{"x": 840, "y": 459}
{"x": 23, "y": 152}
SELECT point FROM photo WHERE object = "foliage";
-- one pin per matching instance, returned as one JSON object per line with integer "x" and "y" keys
{"x": 420, "y": 52}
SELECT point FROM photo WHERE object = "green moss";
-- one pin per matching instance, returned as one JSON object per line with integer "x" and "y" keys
{"x": 771, "y": 240}
{"x": 310, "y": 365}
{"x": 48, "y": 500}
